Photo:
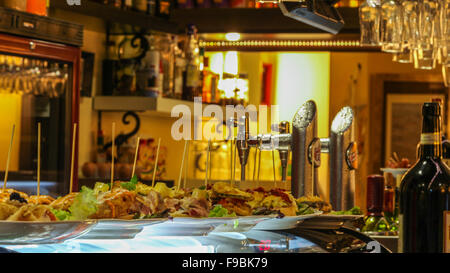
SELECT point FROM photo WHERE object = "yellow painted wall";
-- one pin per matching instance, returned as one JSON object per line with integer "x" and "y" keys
{"x": 10, "y": 111}
{"x": 301, "y": 77}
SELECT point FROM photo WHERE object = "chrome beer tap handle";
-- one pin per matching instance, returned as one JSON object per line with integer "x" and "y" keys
{"x": 284, "y": 128}
{"x": 243, "y": 135}
{"x": 304, "y": 142}
{"x": 343, "y": 159}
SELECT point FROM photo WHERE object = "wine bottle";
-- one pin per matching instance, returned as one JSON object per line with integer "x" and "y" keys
{"x": 191, "y": 77}
{"x": 167, "y": 48}
{"x": 147, "y": 74}
{"x": 152, "y": 7}
{"x": 179, "y": 68}
{"x": 425, "y": 194}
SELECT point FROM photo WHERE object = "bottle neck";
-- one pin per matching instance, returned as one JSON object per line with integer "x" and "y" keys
{"x": 430, "y": 139}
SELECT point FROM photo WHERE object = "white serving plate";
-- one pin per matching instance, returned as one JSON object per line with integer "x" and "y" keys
{"x": 286, "y": 222}
{"x": 242, "y": 224}
{"x": 195, "y": 226}
{"x": 395, "y": 171}
{"x": 23, "y": 232}
{"x": 174, "y": 228}
{"x": 120, "y": 229}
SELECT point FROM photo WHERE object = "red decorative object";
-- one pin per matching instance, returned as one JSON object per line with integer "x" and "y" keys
{"x": 266, "y": 92}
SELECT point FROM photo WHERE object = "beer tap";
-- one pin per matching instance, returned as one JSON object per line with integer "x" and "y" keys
{"x": 302, "y": 141}
{"x": 306, "y": 150}
{"x": 305, "y": 146}
{"x": 284, "y": 128}
{"x": 242, "y": 143}
{"x": 343, "y": 159}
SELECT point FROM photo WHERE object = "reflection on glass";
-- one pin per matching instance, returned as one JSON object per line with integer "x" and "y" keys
{"x": 446, "y": 75}
{"x": 34, "y": 90}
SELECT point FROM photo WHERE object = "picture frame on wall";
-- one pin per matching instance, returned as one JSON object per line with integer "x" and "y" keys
{"x": 404, "y": 123}
{"x": 411, "y": 85}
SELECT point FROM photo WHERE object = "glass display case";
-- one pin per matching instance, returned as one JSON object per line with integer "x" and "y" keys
{"x": 157, "y": 239}
{"x": 39, "y": 83}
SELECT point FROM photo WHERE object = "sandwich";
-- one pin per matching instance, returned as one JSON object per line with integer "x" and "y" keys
{"x": 231, "y": 198}
{"x": 276, "y": 201}
{"x": 314, "y": 202}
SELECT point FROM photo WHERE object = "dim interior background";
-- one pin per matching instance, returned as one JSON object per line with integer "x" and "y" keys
{"x": 332, "y": 79}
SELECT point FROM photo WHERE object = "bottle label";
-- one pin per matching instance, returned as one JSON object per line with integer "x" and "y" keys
{"x": 430, "y": 138}
{"x": 192, "y": 76}
{"x": 400, "y": 234}
{"x": 446, "y": 231}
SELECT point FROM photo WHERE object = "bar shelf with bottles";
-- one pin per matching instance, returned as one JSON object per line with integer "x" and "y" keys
{"x": 123, "y": 14}
{"x": 166, "y": 68}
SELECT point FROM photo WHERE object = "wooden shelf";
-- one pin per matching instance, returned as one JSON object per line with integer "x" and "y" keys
{"x": 152, "y": 106}
{"x": 115, "y": 15}
{"x": 250, "y": 20}
{"x": 209, "y": 20}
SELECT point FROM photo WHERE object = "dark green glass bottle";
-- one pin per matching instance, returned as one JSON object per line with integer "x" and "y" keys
{"x": 424, "y": 192}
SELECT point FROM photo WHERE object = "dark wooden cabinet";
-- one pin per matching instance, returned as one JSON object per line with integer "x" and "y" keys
{"x": 65, "y": 54}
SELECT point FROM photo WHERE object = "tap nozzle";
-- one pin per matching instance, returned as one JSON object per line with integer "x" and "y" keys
{"x": 242, "y": 143}
{"x": 284, "y": 128}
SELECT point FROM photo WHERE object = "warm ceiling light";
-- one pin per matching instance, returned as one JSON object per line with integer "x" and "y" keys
{"x": 232, "y": 36}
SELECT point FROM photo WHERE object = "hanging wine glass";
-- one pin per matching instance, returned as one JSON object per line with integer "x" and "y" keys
{"x": 370, "y": 15}
{"x": 415, "y": 31}
{"x": 425, "y": 55}
{"x": 409, "y": 33}
{"x": 391, "y": 26}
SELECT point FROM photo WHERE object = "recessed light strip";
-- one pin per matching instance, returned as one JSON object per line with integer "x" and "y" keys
{"x": 281, "y": 43}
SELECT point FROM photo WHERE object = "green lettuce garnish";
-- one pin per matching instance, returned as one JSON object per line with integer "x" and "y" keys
{"x": 131, "y": 186}
{"x": 84, "y": 204}
{"x": 100, "y": 187}
{"x": 219, "y": 211}
{"x": 61, "y": 214}
{"x": 353, "y": 211}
